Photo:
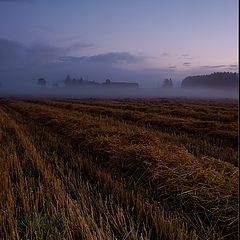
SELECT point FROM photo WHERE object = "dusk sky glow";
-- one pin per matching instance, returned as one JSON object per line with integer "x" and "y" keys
{"x": 129, "y": 40}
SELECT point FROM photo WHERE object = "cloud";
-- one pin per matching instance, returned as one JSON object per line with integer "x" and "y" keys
{"x": 165, "y": 54}
{"x": 9, "y": 48}
{"x": 234, "y": 66}
{"x": 21, "y": 64}
{"x": 160, "y": 70}
{"x": 222, "y": 67}
{"x": 185, "y": 57}
{"x": 12, "y": 54}
{"x": 78, "y": 46}
{"x": 15, "y": 0}
{"x": 15, "y": 54}
{"x": 42, "y": 54}
{"x": 187, "y": 64}
{"x": 214, "y": 66}
{"x": 112, "y": 58}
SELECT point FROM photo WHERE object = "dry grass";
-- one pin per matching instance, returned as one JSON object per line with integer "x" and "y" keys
{"x": 70, "y": 172}
{"x": 212, "y": 138}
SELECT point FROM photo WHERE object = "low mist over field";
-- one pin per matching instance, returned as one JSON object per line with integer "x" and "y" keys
{"x": 49, "y": 92}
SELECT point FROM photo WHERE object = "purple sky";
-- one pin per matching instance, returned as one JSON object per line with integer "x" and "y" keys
{"x": 129, "y": 40}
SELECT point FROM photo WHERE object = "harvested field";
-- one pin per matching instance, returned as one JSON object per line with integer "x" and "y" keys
{"x": 118, "y": 169}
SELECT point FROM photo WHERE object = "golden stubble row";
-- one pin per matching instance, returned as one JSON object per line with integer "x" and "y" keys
{"x": 27, "y": 190}
{"x": 188, "y": 183}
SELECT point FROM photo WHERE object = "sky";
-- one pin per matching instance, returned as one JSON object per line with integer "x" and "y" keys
{"x": 129, "y": 40}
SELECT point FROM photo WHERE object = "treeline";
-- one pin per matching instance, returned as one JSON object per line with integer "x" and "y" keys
{"x": 214, "y": 80}
{"x": 69, "y": 82}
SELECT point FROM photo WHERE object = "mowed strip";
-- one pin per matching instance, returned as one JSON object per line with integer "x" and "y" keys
{"x": 89, "y": 214}
{"x": 216, "y": 130}
{"x": 199, "y": 145}
{"x": 201, "y": 185}
{"x": 73, "y": 217}
{"x": 224, "y": 131}
{"x": 218, "y": 110}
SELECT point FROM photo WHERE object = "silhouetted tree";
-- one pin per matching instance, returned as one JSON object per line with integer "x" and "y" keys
{"x": 108, "y": 81}
{"x": 80, "y": 81}
{"x": 167, "y": 83}
{"x": 68, "y": 80}
{"x": 74, "y": 81}
{"x": 41, "y": 82}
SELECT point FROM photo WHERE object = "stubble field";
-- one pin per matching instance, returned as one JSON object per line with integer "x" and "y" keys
{"x": 118, "y": 169}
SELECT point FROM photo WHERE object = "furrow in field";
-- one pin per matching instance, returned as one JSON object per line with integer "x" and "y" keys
{"x": 198, "y": 145}
{"x": 34, "y": 208}
{"x": 213, "y": 131}
{"x": 201, "y": 186}
{"x": 85, "y": 209}
{"x": 199, "y": 109}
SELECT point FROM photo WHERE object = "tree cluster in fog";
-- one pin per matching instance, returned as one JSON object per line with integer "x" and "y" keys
{"x": 167, "y": 83}
{"x": 214, "y": 80}
{"x": 41, "y": 82}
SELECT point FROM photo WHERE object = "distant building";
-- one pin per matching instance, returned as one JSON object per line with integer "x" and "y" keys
{"x": 109, "y": 83}
{"x": 69, "y": 82}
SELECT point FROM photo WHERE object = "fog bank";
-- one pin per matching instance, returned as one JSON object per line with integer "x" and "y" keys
{"x": 33, "y": 91}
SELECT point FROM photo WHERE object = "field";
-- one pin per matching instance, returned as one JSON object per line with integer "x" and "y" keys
{"x": 118, "y": 169}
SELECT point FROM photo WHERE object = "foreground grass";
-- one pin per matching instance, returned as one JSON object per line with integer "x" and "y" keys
{"x": 72, "y": 175}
